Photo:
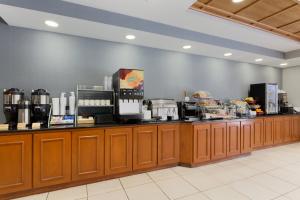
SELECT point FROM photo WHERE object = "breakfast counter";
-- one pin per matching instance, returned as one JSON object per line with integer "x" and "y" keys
{"x": 58, "y": 157}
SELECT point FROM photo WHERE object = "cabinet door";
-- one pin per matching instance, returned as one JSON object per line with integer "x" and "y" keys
{"x": 278, "y": 130}
{"x": 268, "y": 131}
{"x": 201, "y": 142}
{"x": 144, "y": 147}
{"x": 52, "y": 159}
{"x": 233, "y": 138}
{"x": 218, "y": 141}
{"x": 247, "y": 132}
{"x": 258, "y": 135}
{"x": 287, "y": 129}
{"x": 87, "y": 154}
{"x": 15, "y": 163}
{"x": 295, "y": 128}
{"x": 118, "y": 150}
{"x": 168, "y": 144}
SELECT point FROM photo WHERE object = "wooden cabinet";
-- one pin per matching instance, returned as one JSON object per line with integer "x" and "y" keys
{"x": 287, "y": 129}
{"x": 268, "y": 131}
{"x": 233, "y": 138}
{"x": 201, "y": 143}
{"x": 87, "y": 154}
{"x": 247, "y": 132}
{"x": 258, "y": 135}
{"x": 168, "y": 144}
{"x": 295, "y": 128}
{"x": 144, "y": 147}
{"x": 278, "y": 130}
{"x": 15, "y": 163}
{"x": 118, "y": 150}
{"x": 218, "y": 141}
{"x": 52, "y": 158}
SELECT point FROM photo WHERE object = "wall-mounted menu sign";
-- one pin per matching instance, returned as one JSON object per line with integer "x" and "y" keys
{"x": 131, "y": 79}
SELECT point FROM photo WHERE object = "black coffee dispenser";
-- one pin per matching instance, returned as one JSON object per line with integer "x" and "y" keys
{"x": 11, "y": 99}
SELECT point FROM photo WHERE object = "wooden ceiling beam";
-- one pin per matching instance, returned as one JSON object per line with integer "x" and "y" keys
{"x": 245, "y": 7}
{"x": 209, "y": 2}
{"x": 282, "y": 26}
{"x": 278, "y": 12}
{"x": 201, "y": 7}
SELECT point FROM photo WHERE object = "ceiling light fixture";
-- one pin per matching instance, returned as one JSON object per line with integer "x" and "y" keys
{"x": 130, "y": 37}
{"x": 51, "y": 23}
{"x": 237, "y": 1}
{"x": 258, "y": 60}
{"x": 227, "y": 54}
{"x": 283, "y": 64}
{"x": 187, "y": 47}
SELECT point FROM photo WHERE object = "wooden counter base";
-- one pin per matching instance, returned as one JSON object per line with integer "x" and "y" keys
{"x": 45, "y": 161}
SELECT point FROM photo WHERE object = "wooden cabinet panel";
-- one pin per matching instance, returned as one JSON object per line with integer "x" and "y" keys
{"x": 268, "y": 131}
{"x": 218, "y": 141}
{"x": 87, "y": 154}
{"x": 258, "y": 135}
{"x": 118, "y": 150}
{"x": 287, "y": 129}
{"x": 201, "y": 143}
{"x": 52, "y": 159}
{"x": 278, "y": 130}
{"x": 247, "y": 132}
{"x": 295, "y": 128}
{"x": 144, "y": 147}
{"x": 233, "y": 138}
{"x": 168, "y": 144}
{"x": 15, "y": 163}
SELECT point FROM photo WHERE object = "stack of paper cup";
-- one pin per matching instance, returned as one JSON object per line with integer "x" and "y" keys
{"x": 63, "y": 103}
{"x": 55, "y": 105}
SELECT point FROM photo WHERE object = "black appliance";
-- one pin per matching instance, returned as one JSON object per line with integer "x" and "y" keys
{"x": 189, "y": 111}
{"x": 11, "y": 99}
{"x": 284, "y": 107}
{"x": 40, "y": 107}
{"x": 128, "y": 85}
{"x": 266, "y": 95}
{"x": 102, "y": 113}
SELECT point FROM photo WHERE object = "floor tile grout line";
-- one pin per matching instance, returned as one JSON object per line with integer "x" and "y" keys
{"x": 47, "y": 195}
{"x": 87, "y": 192}
{"x": 159, "y": 187}
{"x": 124, "y": 188}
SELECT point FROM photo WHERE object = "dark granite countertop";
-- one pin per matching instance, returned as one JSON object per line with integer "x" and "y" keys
{"x": 111, "y": 125}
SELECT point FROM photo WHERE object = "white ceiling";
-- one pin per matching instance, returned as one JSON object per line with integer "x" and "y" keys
{"x": 21, "y": 17}
{"x": 177, "y": 13}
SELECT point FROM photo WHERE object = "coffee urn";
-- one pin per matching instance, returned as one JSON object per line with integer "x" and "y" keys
{"x": 24, "y": 112}
{"x": 11, "y": 98}
{"x": 40, "y": 106}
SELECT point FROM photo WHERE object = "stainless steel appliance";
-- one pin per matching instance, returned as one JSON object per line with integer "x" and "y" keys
{"x": 11, "y": 98}
{"x": 284, "y": 107}
{"x": 266, "y": 95}
{"x": 24, "y": 112}
{"x": 40, "y": 101}
{"x": 164, "y": 109}
{"x": 129, "y": 94}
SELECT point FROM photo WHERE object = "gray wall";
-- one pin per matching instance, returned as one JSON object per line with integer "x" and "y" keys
{"x": 35, "y": 59}
{"x": 290, "y": 82}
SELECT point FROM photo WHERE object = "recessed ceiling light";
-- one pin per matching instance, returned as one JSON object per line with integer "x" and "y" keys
{"x": 227, "y": 54}
{"x": 237, "y": 1}
{"x": 130, "y": 37}
{"x": 51, "y": 23}
{"x": 187, "y": 47}
{"x": 258, "y": 60}
{"x": 283, "y": 64}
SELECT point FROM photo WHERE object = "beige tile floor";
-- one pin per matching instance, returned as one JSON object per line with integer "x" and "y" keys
{"x": 270, "y": 174}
